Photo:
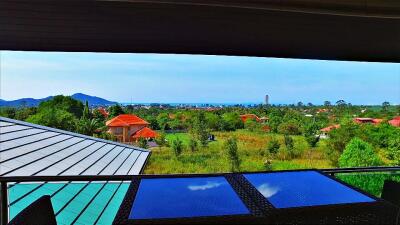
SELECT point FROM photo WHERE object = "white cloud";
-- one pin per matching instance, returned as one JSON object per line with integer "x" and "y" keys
{"x": 267, "y": 191}
{"x": 208, "y": 185}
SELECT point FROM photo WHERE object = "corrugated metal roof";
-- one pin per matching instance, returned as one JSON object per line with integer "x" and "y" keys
{"x": 28, "y": 149}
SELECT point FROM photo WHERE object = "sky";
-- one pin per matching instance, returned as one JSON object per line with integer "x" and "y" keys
{"x": 168, "y": 78}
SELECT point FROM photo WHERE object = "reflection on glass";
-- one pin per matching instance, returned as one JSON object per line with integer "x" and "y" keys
{"x": 185, "y": 197}
{"x": 303, "y": 188}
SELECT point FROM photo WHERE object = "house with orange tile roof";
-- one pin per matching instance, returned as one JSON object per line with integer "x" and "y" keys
{"x": 129, "y": 128}
{"x": 395, "y": 121}
{"x": 368, "y": 120}
{"x": 324, "y": 131}
{"x": 245, "y": 117}
{"x": 329, "y": 128}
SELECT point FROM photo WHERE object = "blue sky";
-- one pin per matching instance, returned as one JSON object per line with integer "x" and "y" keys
{"x": 196, "y": 78}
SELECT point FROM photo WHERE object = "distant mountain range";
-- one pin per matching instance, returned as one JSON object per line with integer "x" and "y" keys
{"x": 92, "y": 100}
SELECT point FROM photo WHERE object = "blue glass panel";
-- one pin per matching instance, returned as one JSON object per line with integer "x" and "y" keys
{"x": 185, "y": 197}
{"x": 303, "y": 188}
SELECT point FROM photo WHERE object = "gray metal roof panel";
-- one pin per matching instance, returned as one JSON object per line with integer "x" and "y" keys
{"x": 30, "y": 149}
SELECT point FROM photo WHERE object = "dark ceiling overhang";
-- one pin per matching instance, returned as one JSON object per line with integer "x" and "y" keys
{"x": 361, "y": 30}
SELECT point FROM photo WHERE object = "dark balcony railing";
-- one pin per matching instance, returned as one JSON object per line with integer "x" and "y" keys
{"x": 5, "y": 181}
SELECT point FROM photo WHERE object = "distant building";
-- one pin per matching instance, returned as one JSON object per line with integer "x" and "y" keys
{"x": 254, "y": 117}
{"x": 263, "y": 119}
{"x": 395, "y": 121}
{"x": 129, "y": 128}
{"x": 103, "y": 112}
{"x": 367, "y": 120}
{"x": 267, "y": 99}
{"x": 326, "y": 130}
{"x": 322, "y": 110}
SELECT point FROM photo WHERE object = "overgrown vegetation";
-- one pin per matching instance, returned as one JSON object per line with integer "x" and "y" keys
{"x": 288, "y": 139}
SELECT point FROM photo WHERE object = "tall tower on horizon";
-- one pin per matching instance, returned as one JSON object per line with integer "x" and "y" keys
{"x": 266, "y": 99}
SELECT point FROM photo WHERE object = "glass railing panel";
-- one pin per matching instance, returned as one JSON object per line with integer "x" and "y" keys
{"x": 369, "y": 182}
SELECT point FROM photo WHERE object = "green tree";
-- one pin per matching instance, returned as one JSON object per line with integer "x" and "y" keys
{"x": 341, "y": 103}
{"x": 86, "y": 111}
{"x": 54, "y": 117}
{"x": 214, "y": 121}
{"x": 8, "y": 112}
{"x": 289, "y": 143}
{"x": 115, "y": 110}
{"x": 87, "y": 126}
{"x": 65, "y": 103}
{"x": 312, "y": 140}
{"x": 98, "y": 115}
{"x": 378, "y": 136}
{"x": 289, "y": 128}
{"x": 394, "y": 150}
{"x": 251, "y": 125}
{"x": 327, "y": 104}
{"x": 385, "y": 106}
{"x": 153, "y": 122}
{"x": 274, "y": 122}
{"x": 177, "y": 146}
{"x": 24, "y": 113}
{"x": 162, "y": 120}
{"x": 359, "y": 153}
{"x": 338, "y": 139}
{"x": 199, "y": 129}
{"x": 232, "y": 121}
{"x": 300, "y": 104}
{"x": 143, "y": 143}
{"x": 232, "y": 154}
{"x": 160, "y": 139}
{"x": 310, "y": 132}
{"x": 193, "y": 144}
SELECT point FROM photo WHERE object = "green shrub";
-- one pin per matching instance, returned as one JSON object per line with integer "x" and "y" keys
{"x": 289, "y": 128}
{"x": 193, "y": 144}
{"x": 232, "y": 153}
{"x": 359, "y": 153}
{"x": 199, "y": 129}
{"x": 273, "y": 146}
{"x": 143, "y": 143}
{"x": 251, "y": 125}
{"x": 54, "y": 117}
{"x": 394, "y": 150}
{"x": 177, "y": 146}
{"x": 312, "y": 140}
{"x": 160, "y": 139}
{"x": 289, "y": 143}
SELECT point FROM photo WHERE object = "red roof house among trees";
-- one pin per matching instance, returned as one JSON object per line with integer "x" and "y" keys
{"x": 368, "y": 120}
{"x": 145, "y": 133}
{"x": 395, "y": 121}
{"x": 129, "y": 127}
{"x": 329, "y": 128}
{"x": 103, "y": 112}
{"x": 245, "y": 117}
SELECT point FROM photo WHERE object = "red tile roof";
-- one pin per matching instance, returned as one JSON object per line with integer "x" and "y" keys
{"x": 145, "y": 133}
{"x": 332, "y": 127}
{"x": 395, "y": 121}
{"x": 368, "y": 120}
{"x": 103, "y": 112}
{"x": 249, "y": 116}
{"x": 125, "y": 120}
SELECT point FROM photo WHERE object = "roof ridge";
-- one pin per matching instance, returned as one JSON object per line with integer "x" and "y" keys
{"x": 19, "y": 122}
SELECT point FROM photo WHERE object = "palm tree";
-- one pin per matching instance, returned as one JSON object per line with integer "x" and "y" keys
{"x": 87, "y": 126}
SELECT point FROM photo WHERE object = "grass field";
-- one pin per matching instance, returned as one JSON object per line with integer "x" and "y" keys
{"x": 252, "y": 152}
